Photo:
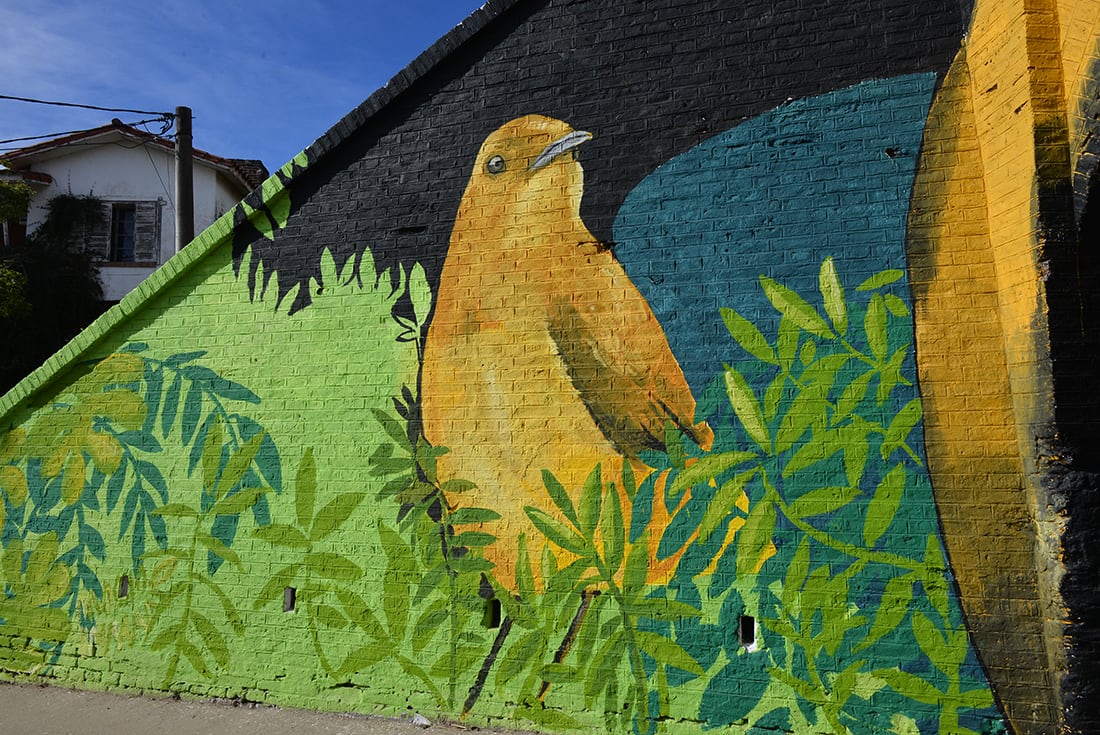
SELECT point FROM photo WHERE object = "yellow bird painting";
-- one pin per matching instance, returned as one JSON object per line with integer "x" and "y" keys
{"x": 542, "y": 354}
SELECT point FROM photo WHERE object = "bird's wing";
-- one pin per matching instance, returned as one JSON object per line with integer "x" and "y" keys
{"x": 618, "y": 358}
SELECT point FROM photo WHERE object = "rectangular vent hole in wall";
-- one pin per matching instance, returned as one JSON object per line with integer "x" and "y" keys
{"x": 124, "y": 586}
{"x": 491, "y": 618}
{"x": 290, "y": 599}
{"x": 746, "y": 631}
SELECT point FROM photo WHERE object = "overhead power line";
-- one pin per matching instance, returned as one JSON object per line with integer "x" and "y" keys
{"x": 71, "y": 132}
{"x": 86, "y": 107}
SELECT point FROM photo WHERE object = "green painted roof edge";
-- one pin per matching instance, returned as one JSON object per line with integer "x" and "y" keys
{"x": 222, "y": 229}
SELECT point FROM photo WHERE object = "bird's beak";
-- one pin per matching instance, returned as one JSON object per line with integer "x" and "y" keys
{"x": 559, "y": 146}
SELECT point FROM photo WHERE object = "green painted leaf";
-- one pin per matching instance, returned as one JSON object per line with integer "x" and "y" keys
{"x": 786, "y": 344}
{"x": 832, "y": 293}
{"x": 170, "y": 406}
{"x": 879, "y": 280}
{"x": 211, "y": 637}
{"x": 667, "y": 611}
{"x": 874, "y": 324}
{"x": 428, "y": 624}
{"x": 896, "y": 306}
{"x": 238, "y": 464}
{"x": 396, "y": 602}
{"x": 796, "y": 577}
{"x": 470, "y": 515}
{"x": 334, "y": 514}
{"x": 933, "y": 645}
{"x": 360, "y": 614}
{"x": 212, "y": 455}
{"x": 560, "y": 497}
{"x": 194, "y": 657}
{"x": 748, "y": 336}
{"x": 332, "y": 566}
{"x": 282, "y": 534}
{"x": 613, "y": 530}
{"x": 557, "y": 532}
{"x": 807, "y": 407}
{"x": 808, "y": 352}
{"x": 455, "y": 487}
{"x": 674, "y": 446}
{"x": 890, "y": 375}
{"x": 774, "y": 395}
{"x": 723, "y": 504}
{"x": 630, "y": 487}
{"x": 216, "y": 547}
{"x": 363, "y": 658}
{"x": 755, "y": 536}
{"x": 844, "y": 683}
{"x": 605, "y": 664}
{"x": 976, "y": 698}
{"x": 823, "y": 500}
{"x": 392, "y": 428}
{"x": 706, "y": 468}
{"x": 238, "y": 502}
{"x": 821, "y": 373}
{"x": 305, "y": 489}
{"x": 637, "y": 567}
{"x": 867, "y": 685}
{"x": 559, "y": 673}
{"x": 852, "y": 395}
{"x": 470, "y": 564}
{"x": 525, "y": 576}
{"x": 892, "y": 609}
{"x": 591, "y": 504}
{"x": 420, "y": 293}
{"x": 667, "y": 652}
{"x": 934, "y": 580}
{"x": 232, "y": 615}
{"x": 884, "y": 505}
{"x": 856, "y": 448}
{"x": 520, "y": 656}
{"x": 900, "y": 427}
{"x": 794, "y": 307}
{"x": 472, "y": 539}
{"x": 176, "y": 510}
{"x": 819, "y": 448}
{"x": 747, "y": 409}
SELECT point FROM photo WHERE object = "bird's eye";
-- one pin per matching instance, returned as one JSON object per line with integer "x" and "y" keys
{"x": 494, "y": 165}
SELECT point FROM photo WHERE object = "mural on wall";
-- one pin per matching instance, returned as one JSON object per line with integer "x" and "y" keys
{"x": 671, "y": 477}
{"x": 767, "y": 557}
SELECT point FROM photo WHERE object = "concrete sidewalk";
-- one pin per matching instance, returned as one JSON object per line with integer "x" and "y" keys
{"x": 43, "y": 710}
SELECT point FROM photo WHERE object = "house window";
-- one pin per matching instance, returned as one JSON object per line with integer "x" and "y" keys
{"x": 123, "y": 221}
{"x": 131, "y": 233}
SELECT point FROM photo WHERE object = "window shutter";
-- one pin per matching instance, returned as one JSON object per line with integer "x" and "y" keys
{"x": 146, "y": 232}
{"x": 96, "y": 240}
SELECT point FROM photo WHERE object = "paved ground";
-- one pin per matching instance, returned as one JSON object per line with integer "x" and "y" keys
{"x": 41, "y": 710}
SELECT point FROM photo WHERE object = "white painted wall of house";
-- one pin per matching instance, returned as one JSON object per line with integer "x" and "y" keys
{"x": 123, "y": 170}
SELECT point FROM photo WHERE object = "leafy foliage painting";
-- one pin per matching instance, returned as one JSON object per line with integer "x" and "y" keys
{"x": 91, "y": 461}
{"x": 810, "y": 591}
{"x": 791, "y": 579}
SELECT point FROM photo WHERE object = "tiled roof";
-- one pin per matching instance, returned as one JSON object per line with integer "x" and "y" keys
{"x": 250, "y": 173}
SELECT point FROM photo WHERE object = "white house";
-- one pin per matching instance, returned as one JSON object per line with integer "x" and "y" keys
{"x": 133, "y": 173}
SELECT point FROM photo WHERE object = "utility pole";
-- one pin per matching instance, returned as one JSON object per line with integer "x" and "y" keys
{"x": 185, "y": 194}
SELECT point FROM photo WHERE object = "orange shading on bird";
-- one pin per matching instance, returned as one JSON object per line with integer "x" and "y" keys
{"x": 541, "y": 354}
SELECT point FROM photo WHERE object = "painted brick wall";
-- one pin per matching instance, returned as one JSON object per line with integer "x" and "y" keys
{"x": 637, "y": 367}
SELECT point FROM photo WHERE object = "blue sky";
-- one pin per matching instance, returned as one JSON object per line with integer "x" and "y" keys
{"x": 264, "y": 79}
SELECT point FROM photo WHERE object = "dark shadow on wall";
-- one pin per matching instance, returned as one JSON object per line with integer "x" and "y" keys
{"x": 1074, "y": 301}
